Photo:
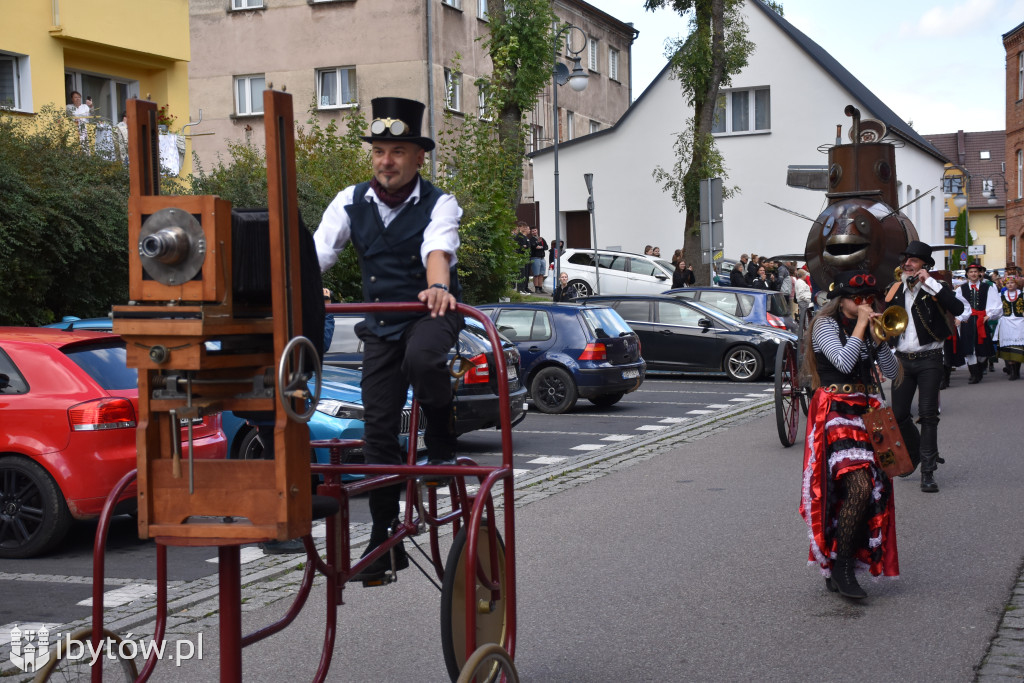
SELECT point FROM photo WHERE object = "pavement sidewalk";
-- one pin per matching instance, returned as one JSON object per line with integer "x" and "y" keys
{"x": 684, "y": 559}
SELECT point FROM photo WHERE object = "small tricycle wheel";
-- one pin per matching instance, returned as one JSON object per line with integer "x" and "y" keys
{"x": 787, "y": 394}
{"x": 491, "y": 624}
{"x": 484, "y": 659}
{"x": 62, "y": 667}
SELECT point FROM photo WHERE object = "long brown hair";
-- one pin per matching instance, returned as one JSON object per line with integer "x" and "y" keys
{"x": 809, "y": 365}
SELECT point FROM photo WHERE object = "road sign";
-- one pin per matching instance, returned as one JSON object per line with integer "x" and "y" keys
{"x": 976, "y": 250}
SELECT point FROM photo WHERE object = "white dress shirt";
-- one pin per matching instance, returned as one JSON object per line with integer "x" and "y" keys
{"x": 909, "y": 342}
{"x": 993, "y": 305}
{"x": 335, "y": 230}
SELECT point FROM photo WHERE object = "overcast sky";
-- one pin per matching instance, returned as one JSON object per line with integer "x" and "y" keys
{"x": 938, "y": 64}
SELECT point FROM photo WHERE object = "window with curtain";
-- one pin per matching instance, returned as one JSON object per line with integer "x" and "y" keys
{"x": 481, "y": 99}
{"x": 745, "y": 110}
{"x": 249, "y": 94}
{"x": 592, "y": 53}
{"x": 570, "y": 124}
{"x": 336, "y": 87}
{"x": 613, "y": 64}
{"x": 10, "y": 82}
{"x": 453, "y": 89}
{"x": 457, "y": 4}
{"x": 594, "y": 126}
{"x": 481, "y": 9}
{"x": 246, "y": 4}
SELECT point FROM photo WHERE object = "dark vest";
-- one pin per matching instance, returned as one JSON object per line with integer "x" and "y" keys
{"x": 928, "y": 312}
{"x": 977, "y": 299}
{"x": 389, "y": 258}
{"x": 1013, "y": 308}
{"x": 830, "y": 374}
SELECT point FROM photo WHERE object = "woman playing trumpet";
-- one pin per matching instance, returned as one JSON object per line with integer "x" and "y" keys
{"x": 847, "y": 500}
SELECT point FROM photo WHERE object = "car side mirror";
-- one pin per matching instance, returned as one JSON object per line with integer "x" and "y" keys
{"x": 705, "y": 323}
{"x": 661, "y": 276}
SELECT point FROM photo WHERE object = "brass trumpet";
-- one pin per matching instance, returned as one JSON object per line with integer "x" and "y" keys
{"x": 891, "y": 323}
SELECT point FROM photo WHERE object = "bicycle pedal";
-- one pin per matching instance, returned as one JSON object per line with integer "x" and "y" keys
{"x": 389, "y": 577}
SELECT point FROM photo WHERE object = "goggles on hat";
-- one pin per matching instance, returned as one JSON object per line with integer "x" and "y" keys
{"x": 395, "y": 126}
{"x": 860, "y": 280}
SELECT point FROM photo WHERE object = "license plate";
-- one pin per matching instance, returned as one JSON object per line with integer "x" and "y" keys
{"x": 421, "y": 444}
{"x": 510, "y": 370}
{"x": 630, "y": 374}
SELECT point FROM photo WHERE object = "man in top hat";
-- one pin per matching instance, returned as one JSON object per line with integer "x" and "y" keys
{"x": 919, "y": 349}
{"x": 981, "y": 303}
{"x": 406, "y": 233}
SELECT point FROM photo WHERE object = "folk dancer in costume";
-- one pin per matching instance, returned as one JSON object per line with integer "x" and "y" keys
{"x": 405, "y": 233}
{"x": 981, "y": 303}
{"x": 1010, "y": 330}
{"x": 847, "y": 500}
{"x": 919, "y": 349}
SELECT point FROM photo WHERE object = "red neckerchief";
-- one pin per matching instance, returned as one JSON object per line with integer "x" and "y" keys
{"x": 393, "y": 199}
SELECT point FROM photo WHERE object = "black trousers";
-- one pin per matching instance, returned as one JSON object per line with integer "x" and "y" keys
{"x": 420, "y": 358}
{"x": 923, "y": 376}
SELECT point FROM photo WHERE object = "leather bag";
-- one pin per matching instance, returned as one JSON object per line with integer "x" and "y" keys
{"x": 887, "y": 442}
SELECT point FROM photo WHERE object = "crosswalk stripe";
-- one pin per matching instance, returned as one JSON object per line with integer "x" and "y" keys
{"x": 674, "y": 420}
{"x": 741, "y": 399}
{"x": 249, "y": 553}
{"x": 617, "y": 437}
{"x": 588, "y": 447}
{"x": 546, "y": 460}
{"x": 651, "y": 428}
{"x": 126, "y": 594}
{"x": 699, "y": 412}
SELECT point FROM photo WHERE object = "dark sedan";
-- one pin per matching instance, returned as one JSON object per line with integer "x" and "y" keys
{"x": 684, "y": 336}
{"x": 570, "y": 351}
{"x": 476, "y": 398}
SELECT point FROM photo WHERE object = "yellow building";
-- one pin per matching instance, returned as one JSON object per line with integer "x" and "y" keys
{"x": 109, "y": 50}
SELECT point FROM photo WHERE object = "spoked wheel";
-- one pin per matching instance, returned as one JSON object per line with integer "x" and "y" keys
{"x": 484, "y": 659}
{"x": 491, "y": 624}
{"x": 787, "y": 394}
{"x": 73, "y": 663}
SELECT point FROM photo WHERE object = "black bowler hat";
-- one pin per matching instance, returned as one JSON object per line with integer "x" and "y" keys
{"x": 918, "y": 250}
{"x": 853, "y": 283}
{"x": 396, "y": 119}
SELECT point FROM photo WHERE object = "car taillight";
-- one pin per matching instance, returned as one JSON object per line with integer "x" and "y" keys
{"x": 776, "y": 321}
{"x": 103, "y": 413}
{"x": 479, "y": 373}
{"x": 594, "y": 351}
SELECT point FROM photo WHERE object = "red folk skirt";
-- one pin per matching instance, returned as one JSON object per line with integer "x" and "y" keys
{"x": 837, "y": 443}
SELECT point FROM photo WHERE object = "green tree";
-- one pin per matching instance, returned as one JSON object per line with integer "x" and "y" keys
{"x": 716, "y": 49}
{"x": 63, "y": 222}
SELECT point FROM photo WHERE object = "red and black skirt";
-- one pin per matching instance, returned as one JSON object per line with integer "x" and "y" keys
{"x": 836, "y": 444}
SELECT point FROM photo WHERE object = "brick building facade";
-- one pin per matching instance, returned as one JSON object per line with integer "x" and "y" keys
{"x": 1013, "y": 42}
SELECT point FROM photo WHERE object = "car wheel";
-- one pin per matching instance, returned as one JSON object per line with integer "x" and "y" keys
{"x": 607, "y": 400}
{"x": 579, "y": 288}
{"x": 743, "y": 364}
{"x": 553, "y": 391}
{"x": 251, "y": 447}
{"x": 33, "y": 514}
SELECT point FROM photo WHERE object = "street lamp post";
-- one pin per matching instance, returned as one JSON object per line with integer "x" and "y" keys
{"x": 577, "y": 80}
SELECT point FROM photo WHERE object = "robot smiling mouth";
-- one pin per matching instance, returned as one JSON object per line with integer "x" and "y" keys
{"x": 845, "y": 251}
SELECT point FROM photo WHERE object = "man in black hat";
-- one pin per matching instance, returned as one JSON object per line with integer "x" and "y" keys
{"x": 919, "y": 349}
{"x": 405, "y": 233}
{"x": 981, "y": 304}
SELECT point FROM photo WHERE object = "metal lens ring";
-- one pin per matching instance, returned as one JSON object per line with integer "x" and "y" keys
{"x": 398, "y": 127}
{"x": 393, "y": 126}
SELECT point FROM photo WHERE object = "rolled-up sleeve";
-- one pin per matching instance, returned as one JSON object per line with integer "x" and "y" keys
{"x": 442, "y": 233}
{"x": 334, "y": 230}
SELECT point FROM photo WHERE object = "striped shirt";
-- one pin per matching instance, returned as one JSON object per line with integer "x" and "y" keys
{"x": 844, "y": 357}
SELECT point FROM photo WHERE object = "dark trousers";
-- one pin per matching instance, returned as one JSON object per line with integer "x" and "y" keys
{"x": 921, "y": 375}
{"x": 420, "y": 358}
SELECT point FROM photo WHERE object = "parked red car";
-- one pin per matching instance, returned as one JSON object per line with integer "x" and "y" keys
{"x": 68, "y": 412}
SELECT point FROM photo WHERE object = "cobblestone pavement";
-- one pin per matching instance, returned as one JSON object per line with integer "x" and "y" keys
{"x": 193, "y": 605}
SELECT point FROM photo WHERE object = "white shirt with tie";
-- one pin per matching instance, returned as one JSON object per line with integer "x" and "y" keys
{"x": 993, "y": 309}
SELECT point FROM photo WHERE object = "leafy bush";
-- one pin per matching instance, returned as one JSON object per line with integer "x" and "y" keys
{"x": 63, "y": 222}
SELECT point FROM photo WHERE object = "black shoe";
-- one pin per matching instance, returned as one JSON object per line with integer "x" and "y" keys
{"x": 439, "y": 480}
{"x": 292, "y": 546}
{"x": 928, "y": 484}
{"x": 377, "y": 570}
{"x": 844, "y": 581}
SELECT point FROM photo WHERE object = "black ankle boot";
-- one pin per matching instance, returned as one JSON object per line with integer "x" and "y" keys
{"x": 928, "y": 484}
{"x": 976, "y": 372}
{"x": 844, "y": 581}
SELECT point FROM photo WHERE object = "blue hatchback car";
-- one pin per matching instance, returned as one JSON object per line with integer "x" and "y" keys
{"x": 755, "y": 306}
{"x": 570, "y": 351}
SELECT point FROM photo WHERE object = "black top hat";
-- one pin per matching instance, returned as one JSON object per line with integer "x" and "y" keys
{"x": 852, "y": 283}
{"x": 919, "y": 250}
{"x": 396, "y": 119}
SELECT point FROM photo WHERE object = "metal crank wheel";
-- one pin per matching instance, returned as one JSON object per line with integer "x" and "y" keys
{"x": 787, "y": 394}
{"x": 293, "y": 378}
{"x": 484, "y": 659}
{"x": 74, "y": 663}
{"x": 491, "y": 623}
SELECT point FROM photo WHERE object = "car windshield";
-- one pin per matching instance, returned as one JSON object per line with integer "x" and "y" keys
{"x": 106, "y": 363}
{"x": 605, "y": 323}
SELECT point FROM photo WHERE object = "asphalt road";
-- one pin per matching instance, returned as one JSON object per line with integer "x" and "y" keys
{"x": 56, "y": 588}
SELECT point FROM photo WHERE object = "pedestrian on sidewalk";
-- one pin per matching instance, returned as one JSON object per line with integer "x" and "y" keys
{"x": 562, "y": 291}
{"x": 919, "y": 349}
{"x": 523, "y": 246}
{"x": 406, "y": 233}
{"x": 1010, "y": 330}
{"x": 847, "y": 500}
{"x": 538, "y": 247}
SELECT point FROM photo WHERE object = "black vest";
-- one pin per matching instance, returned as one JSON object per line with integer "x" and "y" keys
{"x": 928, "y": 312}
{"x": 830, "y": 374}
{"x": 1013, "y": 308}
{"x": 976, "y": 298}
{"x": 389, "y": 258}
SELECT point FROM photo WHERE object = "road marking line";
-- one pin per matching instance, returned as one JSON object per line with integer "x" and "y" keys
{"x": 741, "y": 399}
{"x": 718, "y": 405}
{"x": 699, "y": 412}
{"x": 588, "y": 447}
{"x": 756, "y": 395}
{"x": 674, "y": 420}
{"x": 5, "y": 630}
{"x": 546, "y": 460}
{"x": 126, "y": 594}
{"x": 650, "y": 428}
{"x": 617, "y": 437}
